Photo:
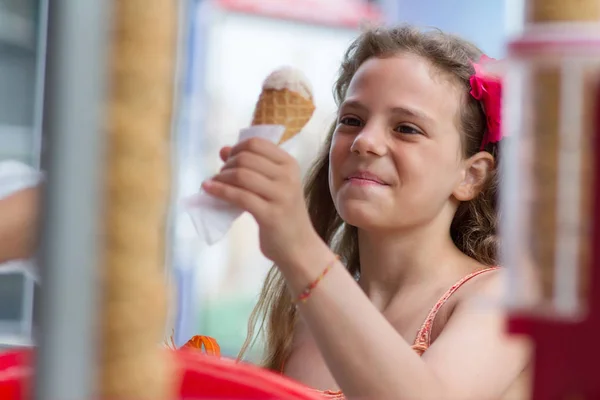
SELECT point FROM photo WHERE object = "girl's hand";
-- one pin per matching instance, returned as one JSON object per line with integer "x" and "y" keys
{"x": 263, "y": 179}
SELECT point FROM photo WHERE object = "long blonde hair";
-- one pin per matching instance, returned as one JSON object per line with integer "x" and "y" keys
{"x": 473, "y": 228}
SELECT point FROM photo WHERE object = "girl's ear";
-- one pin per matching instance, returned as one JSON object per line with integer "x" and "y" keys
{"x": 477, "y": 169}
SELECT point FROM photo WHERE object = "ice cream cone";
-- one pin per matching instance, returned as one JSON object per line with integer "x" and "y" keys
{"x": 283, "y": 107}
{"x": 286, "y": 99}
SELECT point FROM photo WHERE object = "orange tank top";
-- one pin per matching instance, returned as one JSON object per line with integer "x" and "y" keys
{"x": 423, "y": 339}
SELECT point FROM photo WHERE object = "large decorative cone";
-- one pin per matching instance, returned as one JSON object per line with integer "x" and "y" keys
{"x": 286, "y": 99}
{"x": 134, "y": 292}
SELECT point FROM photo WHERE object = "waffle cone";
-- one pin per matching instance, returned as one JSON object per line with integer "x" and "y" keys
{"x": 540, "y": 11}
{"x": 283, "y": 107}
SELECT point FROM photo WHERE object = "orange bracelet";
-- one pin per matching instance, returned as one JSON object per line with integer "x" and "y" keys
{"x": 305, "y": 294}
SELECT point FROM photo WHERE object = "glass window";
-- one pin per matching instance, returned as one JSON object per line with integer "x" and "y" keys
{"x": 19, "y": 83}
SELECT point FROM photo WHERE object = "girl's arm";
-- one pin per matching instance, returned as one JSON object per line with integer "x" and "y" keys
{"x": 472, "y": 358}
{"x": 18, "y": 224}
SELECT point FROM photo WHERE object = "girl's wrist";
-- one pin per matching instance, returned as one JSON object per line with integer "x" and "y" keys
{"x": 306, "y": 264}
{"x": 301, "y": 250}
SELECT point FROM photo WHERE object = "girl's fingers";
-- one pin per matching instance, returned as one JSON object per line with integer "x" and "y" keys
{"x": 249, "y": 180}
{"x": 237, "y": 196}
{"x": 253, "y": 162}
{"x": 262, "y": 147}
{"x": 224, "y": 153}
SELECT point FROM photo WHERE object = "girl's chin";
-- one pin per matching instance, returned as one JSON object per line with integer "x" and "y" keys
{"x": 361, "y": 217}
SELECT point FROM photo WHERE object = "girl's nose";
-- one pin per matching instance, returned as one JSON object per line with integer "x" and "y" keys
{"x": 370, "y": 141}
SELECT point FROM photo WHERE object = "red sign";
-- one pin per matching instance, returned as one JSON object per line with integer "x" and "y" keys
{"x": 339, "y": 13}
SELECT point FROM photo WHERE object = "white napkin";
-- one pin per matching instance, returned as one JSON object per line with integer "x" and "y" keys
{"x": 213, "y": 217}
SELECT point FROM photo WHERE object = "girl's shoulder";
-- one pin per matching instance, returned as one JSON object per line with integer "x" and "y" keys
{"x": 483, "y": 284}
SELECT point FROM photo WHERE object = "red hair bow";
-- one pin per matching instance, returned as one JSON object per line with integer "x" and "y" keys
{"x": 488, "y": 90}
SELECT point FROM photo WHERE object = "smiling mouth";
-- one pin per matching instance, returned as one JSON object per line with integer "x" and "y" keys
{"x": 365, "y": 179}
{"x": 364, "y": 182}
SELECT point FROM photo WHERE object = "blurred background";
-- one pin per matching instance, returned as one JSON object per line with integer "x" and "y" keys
{"x": 227, "y": 48}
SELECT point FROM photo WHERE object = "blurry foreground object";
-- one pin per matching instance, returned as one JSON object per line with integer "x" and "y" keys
{"x": 201, "y": 377}
{"x": 134, "y": 297}
{"x": 205, "y": 344}
{"x": 551, "y": 233}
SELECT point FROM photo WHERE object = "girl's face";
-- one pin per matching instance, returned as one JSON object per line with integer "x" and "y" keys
{"x": 396, "y": 158}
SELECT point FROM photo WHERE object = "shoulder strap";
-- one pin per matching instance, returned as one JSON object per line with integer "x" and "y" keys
{"x": 423, "y": 338}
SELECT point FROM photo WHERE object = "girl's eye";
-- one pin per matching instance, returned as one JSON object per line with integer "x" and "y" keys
{"x": 408, "y": 130}
{"x": 350, "y": 121}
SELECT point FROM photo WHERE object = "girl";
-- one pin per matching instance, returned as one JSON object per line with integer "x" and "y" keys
{"x": 377, "y": 288}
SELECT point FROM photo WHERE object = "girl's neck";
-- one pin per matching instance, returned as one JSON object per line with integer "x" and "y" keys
{"x": 393, "y": 262}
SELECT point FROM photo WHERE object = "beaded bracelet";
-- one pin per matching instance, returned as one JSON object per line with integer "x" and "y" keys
{"x": 305, "y": 294}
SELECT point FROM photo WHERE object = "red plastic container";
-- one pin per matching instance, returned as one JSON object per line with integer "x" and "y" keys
{"x": 204, "y": 377}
